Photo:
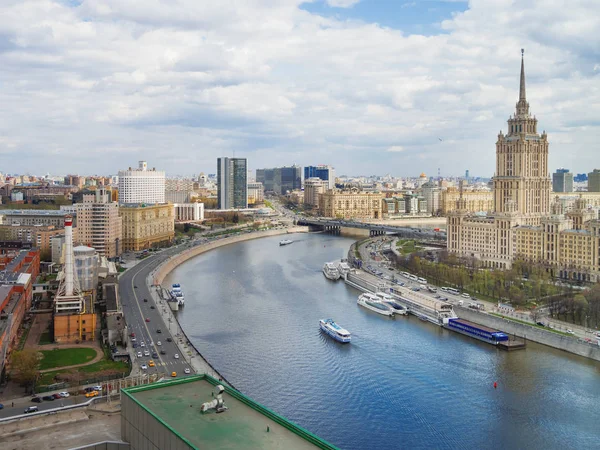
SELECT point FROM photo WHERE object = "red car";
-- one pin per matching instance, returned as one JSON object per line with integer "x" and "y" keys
{"x": 147, "y": 320}
{"x": 132, "y": 335}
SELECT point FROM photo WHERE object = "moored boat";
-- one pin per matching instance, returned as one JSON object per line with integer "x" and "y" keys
{"x": 373, "y": 303}
{"x": 343, "y": 268}
{"x": 285, "y": 242}
{"x": 330, "y": 271}
{"x": 334, "y": 330}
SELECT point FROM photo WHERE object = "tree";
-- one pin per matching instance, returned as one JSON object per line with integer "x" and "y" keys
{"x": 236, "y": 218}
{"x": 535, "y": 314}
{"x": 24, "y": 366}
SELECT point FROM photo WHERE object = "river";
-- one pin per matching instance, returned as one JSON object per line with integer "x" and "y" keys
{"x": 252, "y": 309}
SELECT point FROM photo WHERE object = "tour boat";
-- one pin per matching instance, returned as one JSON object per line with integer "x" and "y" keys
{"x": 334, "y": 330}
{"x": 177, "y": 294}
{"x": 343, "y": 268}
{"x": 392, "y": 303}
{"x": 330, "y": 271}
{"x": 285, "y": 242}
{"x": 372, "y": 302}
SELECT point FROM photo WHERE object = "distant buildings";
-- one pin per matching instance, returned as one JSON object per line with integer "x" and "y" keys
{"x": 350, "y": 204}
{"x": 562, "y": 181}
{"x": 474, "y": 200}
{"x": 313, "y": 188}
{"x": 280, "y": 180}
{"x": 232, "y": 183}
{"x": 432, "y": 193}
{"x": 178, "y": 190}
{"x": 326, "y": 173}
{"x": 188, "y": 212}
{"x": 99, "y": 224}
{"x": 594, "y": 181}
{"x": 256, "y": 193}
{"x": 141, "y": 185}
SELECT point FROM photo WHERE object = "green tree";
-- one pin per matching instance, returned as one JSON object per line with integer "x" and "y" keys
{"x": 24, "y": 366}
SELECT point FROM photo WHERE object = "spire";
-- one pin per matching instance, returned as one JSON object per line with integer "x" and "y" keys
{"x": 522, "y": 88}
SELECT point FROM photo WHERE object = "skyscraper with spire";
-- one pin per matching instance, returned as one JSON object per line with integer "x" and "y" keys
{"x": 525, "y": 224}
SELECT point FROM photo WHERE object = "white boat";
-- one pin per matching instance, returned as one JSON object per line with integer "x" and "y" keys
{"x": 177, "y": 294}
{"x": 372, "y": 302}
{"x": 392, "y": 303}
{"x": 330, "y": 271}
{"x": 343, "y": 268}
{"x": 334, "y": 330}
{"x": 285, "y": 242}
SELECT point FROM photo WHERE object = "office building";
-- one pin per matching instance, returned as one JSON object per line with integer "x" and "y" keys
{"x": 280, "y": 180}
{"x": 99, "y": 224}
{"x": 562, "y": 181}
{"x": 178, "y": 190}
{"x": 313, "y": 187}
{"x": 256, "y": 193}
{"x": 326, "y": 173}
{"x": 141, "y": 185}
{"x": 146, "y": 226}
{"x": 432, "y": 193}
{"x": 525, "y": 223}
{"x": 232, "y": 183}
{"x": 594, "y": 181}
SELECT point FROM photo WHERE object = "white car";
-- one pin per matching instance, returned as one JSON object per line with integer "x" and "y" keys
{"x": 176, "y": 355}
{"x": 159, "y": 343}
{"x": 570, "y": 332}
{"x": 64, "y": 394}
{"x": 142, "y": 344}
{"x": 186, "y": 370}
{"x": 139, "y": 354}
{"x": 146, "y": 353}
{"x": 144, "y": 367}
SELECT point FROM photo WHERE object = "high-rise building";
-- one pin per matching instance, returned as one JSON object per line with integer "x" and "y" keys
{"x": 524, "y": 223}
{"x": 141, "y": 185}
{"x": 312, "y": 188}
{"x": 99, "y": 224}
{"x": 467, "y": 174}
{"x": 232, "y": 183}
{"x": 323, "y": 172}
{"x": 562, "y": 181}
{"x": 594, "y": 181}
{"x": 280, "y": 180}
{"x": 431, "y": 194}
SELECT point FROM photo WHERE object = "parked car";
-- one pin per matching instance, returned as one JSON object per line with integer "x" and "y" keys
{"x": 36, "y": 399}
{"x": 64, "y": 394}
{"x": 570, "y": 331}
{"x": 30, "y": 409}
{"x": 169, "y": 339}
{"x": 1, "y": 406}
{"x": 154, "y": 355}
{"x": 139, "y": 354}
{"x": 48, "y": 398}
{"x": 541, "y": 324}
{"x": 57, "y": 396}
{"x": 91, "y": 394}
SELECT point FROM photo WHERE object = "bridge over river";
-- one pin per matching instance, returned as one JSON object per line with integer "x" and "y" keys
{"x": 375, "y": 229}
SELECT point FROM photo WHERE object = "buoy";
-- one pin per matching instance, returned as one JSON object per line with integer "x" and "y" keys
{"x": 495, "y": 384}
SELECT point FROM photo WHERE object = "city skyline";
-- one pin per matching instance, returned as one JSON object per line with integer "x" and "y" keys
{"x": 368, "y": 92}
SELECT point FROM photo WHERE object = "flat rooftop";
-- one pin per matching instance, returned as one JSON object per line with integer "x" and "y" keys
{"x": 243, "y": 426}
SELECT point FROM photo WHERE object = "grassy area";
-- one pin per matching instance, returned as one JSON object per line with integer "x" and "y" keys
{"x": 531, "y": 324}
{"x": 407, "y": 246}
{"x": 268, "y": 204}
{"x": 224, "y": 232}
{"x": 45, "y": 338}
{"x": 99, "y": 369}
{"x": 66, "y": 357}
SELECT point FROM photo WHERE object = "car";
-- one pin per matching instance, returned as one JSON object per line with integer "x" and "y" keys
{"x": 135, "y": 345}
{"x": 48, "y": 398}
{"x": 30, "y": 409}
{"x": 176, "y": 356}
{"x": 154, "y": 355}
{"x": 132, "y": 335}
{"x": 144, "y": 367}
{"x": 139, "y": 354}
{"x": 163, "y": 352}
{"x": 64, "y": 394}
{"x": 135, "y": 287}
{"x": 36, "y": 399}
{"x": 97, "y": 388}
{"x": 186, "y": 370}
{"x": 570, "y": 331}
{"x": 159, "y": 343}
{"x": 145, "y": 300}
{"x": 88, "y": 389}
{"x": 169, "y": 339}
{"x": 541, "y": 324}
{"x": 133, "y": 339}
{"x": 151, "y": 363}
{"x": 158, "y": 330}
{"x": 1, "y": 406}
{"x": 142, "y": 344}
{"x": 147, "y": 319}
{"x": 146, "y": 353}
{"x": 91, "y": 394}
{"x": 57, "y": 396}
{"x": 151, "y": 306}
{"x": 173, "y": 374}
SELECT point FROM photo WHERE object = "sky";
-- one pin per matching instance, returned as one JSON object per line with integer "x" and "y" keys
{"x": 368, "y": 86}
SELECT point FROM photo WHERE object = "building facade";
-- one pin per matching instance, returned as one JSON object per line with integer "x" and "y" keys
{"x": 145, "y": 226}
{"x": 432, "y": 193}
{"x": 256, "y": 193}
{"x": 178, "y": 190}
{"x": 99, "y": 224}
{"x": 189, "y": 212}
{"x": 325, "y": 173}
{"x": 40, "y": 236}
{"x": 350, "y": 204}
{"x": 280, "y": 180}
{"x": 474, "y": 200}
{"x": 594, "y": 181}
{"x": 34, "y": 217}
{"x": 525, "y": 224}
{"x": 141, "y": 185}
{"x": 232, "y": 183}
{"x": 562, "y": 181}
{"x": 313, "y": 187}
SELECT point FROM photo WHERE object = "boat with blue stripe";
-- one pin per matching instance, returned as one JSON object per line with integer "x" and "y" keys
{"x": 334, "y": 330}
{"x": 476, "y": 331}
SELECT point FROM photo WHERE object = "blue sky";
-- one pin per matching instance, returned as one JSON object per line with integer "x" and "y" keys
{"x": 92, "y": 87}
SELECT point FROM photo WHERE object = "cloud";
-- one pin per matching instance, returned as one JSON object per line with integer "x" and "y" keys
{"x": 395, "y": 149}
{"x": 342, "y": 3}
{"x": 103, "y": 84}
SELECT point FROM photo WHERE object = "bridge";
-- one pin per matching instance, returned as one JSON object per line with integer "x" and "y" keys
{"x": 335, "y": 226}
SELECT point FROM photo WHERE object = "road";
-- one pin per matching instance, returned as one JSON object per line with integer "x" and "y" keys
{"x": 22, "y": 403}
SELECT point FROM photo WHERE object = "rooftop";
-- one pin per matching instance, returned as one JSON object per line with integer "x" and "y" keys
{"x": 243, "y": 426}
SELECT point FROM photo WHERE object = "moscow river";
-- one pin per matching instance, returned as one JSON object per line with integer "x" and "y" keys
{"x": 253, "y": 309}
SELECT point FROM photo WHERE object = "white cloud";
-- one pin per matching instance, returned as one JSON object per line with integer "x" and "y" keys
{"x": 342, "y": 3}
{"x": 179, "y": 83}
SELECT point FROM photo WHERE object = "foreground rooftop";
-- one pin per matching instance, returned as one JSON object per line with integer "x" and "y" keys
{"x": 243, "y": 426}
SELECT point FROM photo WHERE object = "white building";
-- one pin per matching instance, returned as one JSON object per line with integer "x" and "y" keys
{"x": 312, "y": 188}
{"x": 86, "y": 266}
{"x": 178, "y": 190}
{"x": 141, "y": 185}
{"x": 189, "y": 212}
